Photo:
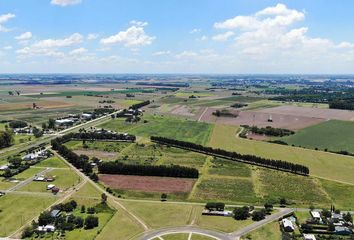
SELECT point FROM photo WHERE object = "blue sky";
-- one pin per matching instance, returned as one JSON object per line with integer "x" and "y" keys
{"x": 176, "y": 36}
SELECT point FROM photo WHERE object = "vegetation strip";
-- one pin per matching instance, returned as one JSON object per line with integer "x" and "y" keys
{"x": 250, "y": 159}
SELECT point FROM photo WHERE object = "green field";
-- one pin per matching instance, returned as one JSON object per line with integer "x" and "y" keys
{"x": 322, "y": 164}
{"x": 64, "y": 179}
{"x": 13, "y": 216}
{"x": 176, "y": 128}
{"x": 159, "y": 215}
{"x": 333, "y": 135}
{"x": 269, "y": 231}
{"x": 52, "y": 162}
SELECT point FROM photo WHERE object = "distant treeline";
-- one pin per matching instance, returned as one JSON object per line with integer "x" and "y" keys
{"x": 269, "y": 131}
{"x": 163, "y": 84}
{"x": 250, "y": 159}
{"x": 347, "y": 104}
{"x": 147, "y": 170}
{"x": 140, "y": 105}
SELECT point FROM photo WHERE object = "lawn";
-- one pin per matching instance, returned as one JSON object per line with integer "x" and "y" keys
{"x": 87, "y": 195}
{"x": 4, "y": 184}
{"x": 333, "y": 135}
{"x": 159, "y": 215}
{"x": 340, "y": 194}
{"x": 269, "y": 231}
{"x": 229, "y": 168}
{"x": 301, "y": 190}
{"x": 222, "y": 224}
{"x": 119, "y": 125}
{"x": 31, "y": 172}
{"x": 120, "y": 226}
{"x": 13, "y": 216}
{"x": 175, "y": 236}
{"x": 201, "y": 237}
{"x": 52, "y": 162}
{"x": 225, "y": 189}
{"x": 321, "y": 164}
{"x": 64, "y": 179}
{"x": 172, "y": 127}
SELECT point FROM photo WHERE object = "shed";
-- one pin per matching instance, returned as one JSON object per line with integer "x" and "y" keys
{"x": 55, "y": 213}
{"x": 288, "y": 225}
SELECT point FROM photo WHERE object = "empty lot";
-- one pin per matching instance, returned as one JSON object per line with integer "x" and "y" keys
{"x": 311, "y": 112}
{"x": 148, "y": 184}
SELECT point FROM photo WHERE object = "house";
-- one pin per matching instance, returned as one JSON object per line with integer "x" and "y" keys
{"x": 288, "y": 225}
{"x": 64, "y": 122}
{"x": 55, "y": 213}
{"x": 217, "y": 213}
{"x": 309, "y": 237}
{"x": 50, "y": 186}
{"x": 316, "y": 215}
{"x": 336, "y": 217}
{"x": 86, "y": 116}
{"x": 47, "y": 228}
{"x": 4, "y": 167}
{"x": 39, "y": 179}
{"x": 34, "y": 156}
{"x": 342, "y": 230}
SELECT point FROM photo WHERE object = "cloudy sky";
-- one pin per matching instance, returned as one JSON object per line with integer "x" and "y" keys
{"x": 176, "y": 36}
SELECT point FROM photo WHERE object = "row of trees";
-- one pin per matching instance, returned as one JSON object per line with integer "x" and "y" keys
{"x": 140, "y": 105}
{"x": 347, "y": 104}
{"x": 269, "y": 131}
{"x": 147, "y": 170}
{"x": 245, "y": 158}
{"x": 98, "y": 135}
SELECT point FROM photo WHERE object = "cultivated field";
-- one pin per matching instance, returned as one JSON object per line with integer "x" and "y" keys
{"x": 311, "y": 112}
{"x": 322, "y": 164}
{"x": 147, "y": 184}
{"x": 333, "y": 135}
{"x": 260, "y": 119}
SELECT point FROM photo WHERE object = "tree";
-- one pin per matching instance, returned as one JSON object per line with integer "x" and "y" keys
{"x": 241, "y": 213}
{"x": 103, "y": 198}
{"x": 91, "y": 222}
{"x": 44, "y": 126}
{"x": 348, "y": 217}
{"x": 79, "y": 222}
{"x": 163, "y": 197}
{"x": 15, "y": 161}
{"x": 51, "y": 123}
{"x": 326, "y": 213}
{"x": 37, "y": 133}
{"x": 45, "y": 218}
{"x": 27, "y": 232}
{"x": 268, "y": 208}
{"x": 258, "y": 215}
{"x": 83, "y": 209}
{"x": 282, "y": 201}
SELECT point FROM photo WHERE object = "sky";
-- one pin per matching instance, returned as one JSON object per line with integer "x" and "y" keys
{"x": 177, "y": 36}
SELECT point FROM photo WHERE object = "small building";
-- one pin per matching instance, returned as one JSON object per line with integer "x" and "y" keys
{"x": 342, "y": 230}
{"x": 50, "y": 186}
{"x": 316, "y": 215}
{"x": 336, "y": 217}
{"x": 64, "y": 122}
{"x": 55, "y": 213}
{"x": 55, "y": 190}
{"x": 217, "y": 213}
{"x": 309, "y": 237}
{"x": 288, "y": 225}
{"x": 4, "y": 167}
{"x": 47, "y": 228}
{"x": 39, "y": 179}
{"x": 86, "y": 116}
{"x": 34, "y": 156}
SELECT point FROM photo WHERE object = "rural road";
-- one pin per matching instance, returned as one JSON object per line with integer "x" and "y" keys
{"x": 27, "y": 181}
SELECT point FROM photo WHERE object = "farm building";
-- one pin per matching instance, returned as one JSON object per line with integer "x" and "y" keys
{"x": 309, "y": 237}
{"x": 50, "y": 186}
{"x": 343, "y": 231}
{"x": 217, "y": 213}
{"x": 316, "y": 215}
{"x": 86, "y": 116}
{"x": 47, "y": 228}
{"x": 55, "y": 213}
{"x": 288, "y": 225}
{"x": 34, "y": 156}
{"x": 64, "y": 122}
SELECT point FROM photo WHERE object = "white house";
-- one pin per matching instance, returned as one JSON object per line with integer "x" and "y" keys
{"x": 47, "y": 228}
{"x": 50, "y": 186}
{"x": 309, "y": 237}
{"x": 316, "y": 215}
{"x": 288, "y": 225}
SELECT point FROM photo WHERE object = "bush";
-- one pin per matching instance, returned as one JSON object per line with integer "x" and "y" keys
{"x": 241, "y": 213}
{"x": 258, "y": 215}
{"x": 91, "y": 222}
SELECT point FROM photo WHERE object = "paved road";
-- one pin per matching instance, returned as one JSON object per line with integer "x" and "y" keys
{"x": 27, "y": 181}
{"x": 256, "y": 225}
{"x": 187, "y": 229}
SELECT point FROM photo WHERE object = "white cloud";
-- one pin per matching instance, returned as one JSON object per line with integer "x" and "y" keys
{"x": 50, "y": 47}
{"x": 78, "y": 51}
{"x": 92, "y": 36}
{"x": 134, "y": 36}
{"x": 223, "y": 36}
{"x": 161, "y": 53}
{"x": 7, "y": 47}
{"x": 3, "y": 19}
{"x": 64, "y": 3}
{"x": 138, "y": 23}
{"x": 195, "y": 30}
{"x": 345, "y": 45}
{"x": 186, "y": 54}
{"x": 24, "y": 36}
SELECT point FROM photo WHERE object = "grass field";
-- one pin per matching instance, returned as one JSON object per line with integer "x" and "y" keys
{"x": 159, "y": 215}
{"x": 176, "y": 128}
{"x": 229, "y": 168}
{"x": 120, "y": 227}
{"x": 53, "y": 162}
{"x": 269, "y": 231}
{"x": 321, "y": 164}
{"x": 64, "y": 179}
{"x": 28, "y": 173}
{"x": 4, "y": 185}
{"x": 176, "y": 236}
{"x": 339, "y": 194}
{"x": 333, "y": 135}
{"x": 13, "y": 216}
